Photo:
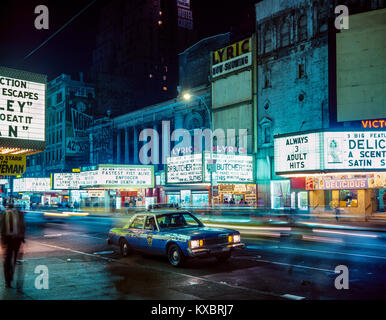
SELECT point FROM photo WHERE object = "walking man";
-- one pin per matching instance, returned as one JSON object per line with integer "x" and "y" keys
{"x": 12, "y": 235}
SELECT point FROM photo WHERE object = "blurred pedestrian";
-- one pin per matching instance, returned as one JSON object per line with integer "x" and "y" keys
{"x": 12, "y": 235}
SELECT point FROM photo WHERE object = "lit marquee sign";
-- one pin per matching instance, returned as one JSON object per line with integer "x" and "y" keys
{"x": 355, "y": 150}
{"x": 331, "y": 151}
{"x": 298, "y": 153}
{"x": 184, "y": 169}
{"x": 140, "y": 176}
{"x": 230, "y": 168}
{"x": 22, "y": 109}
{"x": 32, "y": 185}
{"x": 65, "y": 181}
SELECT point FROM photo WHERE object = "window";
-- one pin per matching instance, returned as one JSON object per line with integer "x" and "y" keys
{"x": 301, "y": 70}
{"x": 177, "y": 220}
{"x": 302, "y": 28}
{"x": 138, "y": 222}
{"x": 150, "y": 222}
{"x": 267, "y": 134}
{"x": 59, "y": 97}
{"x": 284, "y": 34}
{"x": 348, "y": 198}
{"x": 267, "y": 40}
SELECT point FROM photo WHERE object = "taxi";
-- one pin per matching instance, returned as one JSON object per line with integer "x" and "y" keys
{"x": 177, "y": 234}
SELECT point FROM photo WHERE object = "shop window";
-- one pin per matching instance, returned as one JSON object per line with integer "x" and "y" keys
{"x": 280, "y": 194}
{"x": 348, "y": 198}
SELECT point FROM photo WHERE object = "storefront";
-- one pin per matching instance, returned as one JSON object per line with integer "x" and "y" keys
{"x": 37, "y": 192}
{"x": 108, "y": 187}
{"x": 331, "y": 172}
{"x": 189, "y": 180}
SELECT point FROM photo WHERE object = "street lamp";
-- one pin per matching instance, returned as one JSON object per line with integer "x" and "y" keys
{"x": 187, "y": 96}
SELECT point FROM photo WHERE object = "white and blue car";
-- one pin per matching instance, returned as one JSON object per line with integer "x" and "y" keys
{"x": 175, "y": 233}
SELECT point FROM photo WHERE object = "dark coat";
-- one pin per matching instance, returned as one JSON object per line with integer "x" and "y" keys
{"x": 21, "y": 225}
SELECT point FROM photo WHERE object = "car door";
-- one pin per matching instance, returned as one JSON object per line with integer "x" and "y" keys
{"x": 153, "y": 240}
{"x": 135, "y": 232}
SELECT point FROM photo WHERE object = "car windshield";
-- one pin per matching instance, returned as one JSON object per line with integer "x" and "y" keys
{"x": 178, "y": 220}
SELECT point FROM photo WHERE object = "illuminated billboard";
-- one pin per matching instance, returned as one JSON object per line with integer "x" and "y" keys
{"x": 22, "y": 111}
{"x": 298, "y": 153}
{"x": 361, "y": 63}
{"x": 184, "y": 169}
{"x": 230, "y": 168}
{"x": 355, "y": 150}
{"x": 65, "y": 181}
{"x": 126, "y": 176}
{"x": 32, "y": 185}
{"x": 109, "y": 176}
{"x": 318, "y": 151}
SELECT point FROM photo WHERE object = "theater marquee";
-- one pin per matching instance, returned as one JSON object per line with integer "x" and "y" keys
{"x": 330, "y": 151}
{"x": 22, "y": 111}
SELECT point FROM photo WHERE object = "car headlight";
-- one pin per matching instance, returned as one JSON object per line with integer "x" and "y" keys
{"x": 236, "y": 238}
{"x": 194, "y": 244}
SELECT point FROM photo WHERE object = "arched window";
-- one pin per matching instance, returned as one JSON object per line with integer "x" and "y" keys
{"x": 302, "y": 28}
{"x": 284, "y": 34}
{"x": 268, "y": 40}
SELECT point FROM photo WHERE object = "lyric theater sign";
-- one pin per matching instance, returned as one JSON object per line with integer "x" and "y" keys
{"x": 232, "y": 58}
{"x": 230, "y": 168}
{"x": 330, "y": 151}
{"x": 22, "y": 110}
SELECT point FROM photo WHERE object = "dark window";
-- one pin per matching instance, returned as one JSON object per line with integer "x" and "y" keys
{"x": 302, "y": 28}
{"x": 302, "y": 71}
{"x": 284, "y": 34}
{"x": 267, "y": 40}
{"x": 59, "y": 97}
{"x": 267, "y": 134}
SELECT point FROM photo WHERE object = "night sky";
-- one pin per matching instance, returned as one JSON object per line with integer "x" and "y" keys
{"x": 70, "y": 51}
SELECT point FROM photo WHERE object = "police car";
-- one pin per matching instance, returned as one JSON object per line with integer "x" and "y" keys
{"x": 175, "y": 233}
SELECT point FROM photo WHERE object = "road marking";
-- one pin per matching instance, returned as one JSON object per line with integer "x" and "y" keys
{"x": 295, "y": 265}
{"x": 292, "y": 297}
{"x": 74, "y": 251}
{"x": 53, "y": 235}
{"x": 87, "y": 236}
{"x": 335, "y": 252}
{"x": 104, "y": 252}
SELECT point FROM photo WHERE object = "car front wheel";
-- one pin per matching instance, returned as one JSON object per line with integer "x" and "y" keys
{"x": 125, "y": 248}
{"x": 175, "y": 256}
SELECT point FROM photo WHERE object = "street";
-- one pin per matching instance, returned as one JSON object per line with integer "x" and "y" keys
{"x": 294, "y": 265}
